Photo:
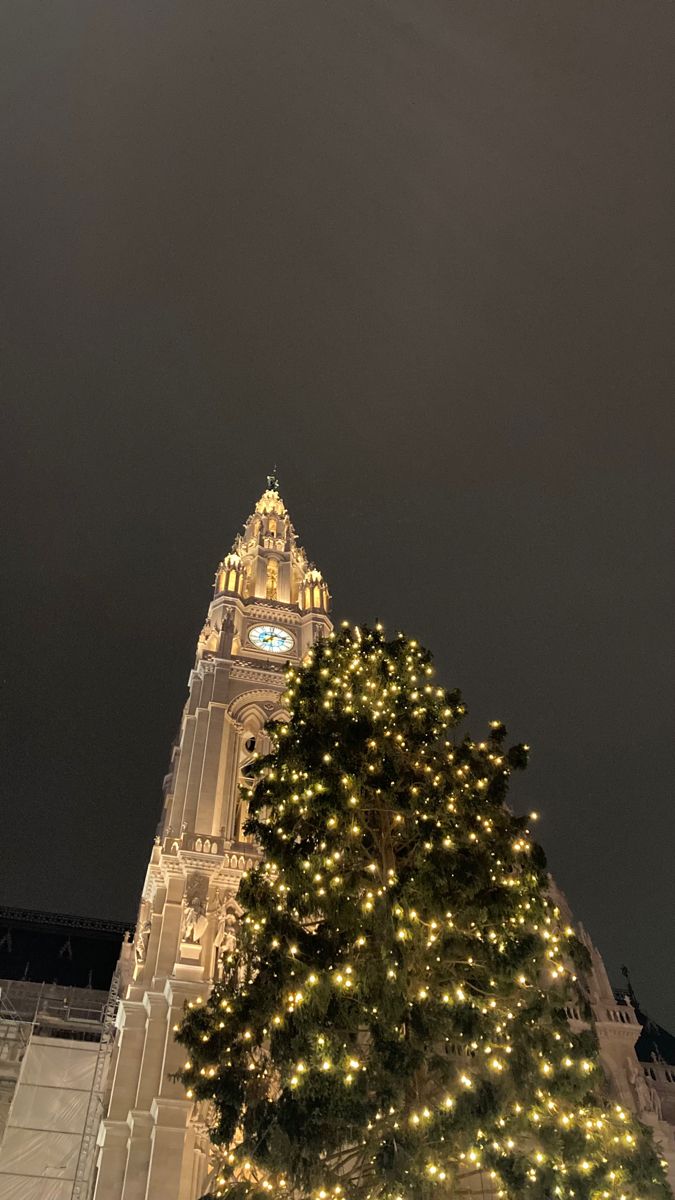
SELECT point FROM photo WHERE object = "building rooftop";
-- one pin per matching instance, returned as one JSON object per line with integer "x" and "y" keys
{"x": 655, "y": 1044}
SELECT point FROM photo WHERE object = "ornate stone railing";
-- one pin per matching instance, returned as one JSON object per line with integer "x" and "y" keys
{"x": 235, "y": 856}
{"x": 620, "y": 1014}
{"x": 573, "y": 1013}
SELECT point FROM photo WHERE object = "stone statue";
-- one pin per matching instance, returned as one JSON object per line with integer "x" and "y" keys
{"x": 224, "y": 938}
{"x": 194, "y": 921}
{"x": 646, "y": 1097}
{"x": 228, "y": 940}
{"x": 142, "y": 939}
{"x": 656, "y": 1101}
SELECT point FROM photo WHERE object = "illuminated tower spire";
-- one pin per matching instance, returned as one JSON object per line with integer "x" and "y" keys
{"x": 267, "y": 563}
{"x": 269, "y": 606}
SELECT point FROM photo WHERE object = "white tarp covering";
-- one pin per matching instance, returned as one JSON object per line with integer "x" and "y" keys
{"x": 35, "y": 1108}
{"x": 17, "y": 1187}
{"x": 55, "y": 1062}
{"x": 39, "y": 1151}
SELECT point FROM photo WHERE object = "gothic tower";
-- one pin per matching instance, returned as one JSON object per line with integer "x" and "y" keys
{"x": 269, "y": 606}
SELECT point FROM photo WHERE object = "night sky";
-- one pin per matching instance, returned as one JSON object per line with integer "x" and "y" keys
{"x": 421, "y": 255}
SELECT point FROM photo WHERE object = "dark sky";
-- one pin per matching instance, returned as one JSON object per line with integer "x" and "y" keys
{"x": 420, "y": 254}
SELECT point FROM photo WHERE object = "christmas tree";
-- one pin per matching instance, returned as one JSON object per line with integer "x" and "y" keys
{"x": 393, "y": 1018}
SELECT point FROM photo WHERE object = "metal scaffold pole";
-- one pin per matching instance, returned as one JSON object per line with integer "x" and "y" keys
{"x": 85, "y": 1158}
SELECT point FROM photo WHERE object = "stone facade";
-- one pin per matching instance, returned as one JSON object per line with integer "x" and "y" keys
{"x": 643, "y": 1086}
{"x": 269, "y": 606}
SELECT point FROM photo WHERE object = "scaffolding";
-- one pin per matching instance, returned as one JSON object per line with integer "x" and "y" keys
{"x": 95, "y": 1107}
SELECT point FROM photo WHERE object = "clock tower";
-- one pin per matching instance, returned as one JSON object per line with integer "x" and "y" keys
{"x": 269, "y": 606}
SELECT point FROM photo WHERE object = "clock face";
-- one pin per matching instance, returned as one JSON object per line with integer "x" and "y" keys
{"x": 271, "y": 638}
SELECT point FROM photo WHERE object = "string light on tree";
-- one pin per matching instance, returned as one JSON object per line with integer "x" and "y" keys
{"x": 393, "y": 1018}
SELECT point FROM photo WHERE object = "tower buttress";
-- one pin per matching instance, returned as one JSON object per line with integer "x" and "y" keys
{"x": 269, "y": 606}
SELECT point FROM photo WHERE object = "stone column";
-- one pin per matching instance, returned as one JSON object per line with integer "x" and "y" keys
{"x": 165, "y": 1176}
{"x": 131, "y": 1020}
{"x": 181, "y": 775}
{"x": 177, "y": 993}
{"x": 140, "y": 1129}
{"x": 228, "y": 790}
{"x": 200, "y": 1165}
{"x": 206, "y": 804}
{"x": 196, "y": 768}
{"x": 153, "y": 1050}
{"x": 114, "y": 1131}
{"x": 150, "y": 964}
{"x": 172, "y": 916}
{"x": 113, "y": 1139}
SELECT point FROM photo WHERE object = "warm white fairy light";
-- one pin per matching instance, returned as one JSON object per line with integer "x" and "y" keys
{"x": 443, "y": 966}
